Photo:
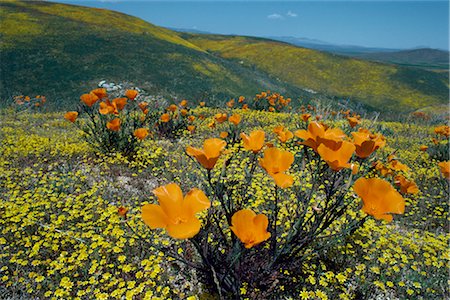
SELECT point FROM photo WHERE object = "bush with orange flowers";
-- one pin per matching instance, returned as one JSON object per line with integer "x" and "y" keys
{"x": 238, "y": 239}
{"x": 112, "y": 124}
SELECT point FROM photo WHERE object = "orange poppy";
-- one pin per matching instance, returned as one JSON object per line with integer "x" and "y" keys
{"x": 241, "y": 99}
{"x": 251, "y": 229}
{"x": 183, "y": 112}
{"x": 235, "y": 119}
{"x": 337, "y": 158}
{"x": 71, "y": 116}
{"x": 283, "y": 135}
{"x": 224, "y": 134}
{"x": 305, "y": 117}
{"x": 255, "y": 141}
{"x": 143, "y": 105}
{"x": 444, "y": 166}
{"x": 114, "y": 124}
{"x": 122, "y": 211}
{"x": 165, "y": 118}
{"x": 271, "y": 109}
{"x": 380, "y": 199}
{"x": 191, "y": 128}
{"x": 318, "y": 134}
{"x": 172, "y": 108}
{"x": 366, "y": 143}
{"x": 443, "y": 130}
{"x": 131, "y": 94}
{"x": 423, "y": 148}
{"x": 107, "y": 107}
{"x": 89, "y": 99}
{"x": 230, "y": 103}
{"x": 245, "y": 106}
{"x": 202, "y": 104}
{"x": 183, "y": 103}
{"x": 398, "y": 166}
{"x": 175, "y": 213}
{"x": 406, "y": 186}
{"x": 141, "y": 133}
{"x": 120, "y": 103}
{"x": 276, "y": 162}
{"x": 210, "y": 153}
{"x": 220, "y": 118}
{"x": 353, "y": 121}
{"x": 100, "y": 93}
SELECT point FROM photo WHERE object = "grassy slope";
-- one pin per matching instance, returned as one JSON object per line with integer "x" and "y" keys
{"x": 377, "y": 85}
{"x": 63, "y": 50}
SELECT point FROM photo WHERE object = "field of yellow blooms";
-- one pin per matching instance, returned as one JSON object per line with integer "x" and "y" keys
{"x": 116, "y": 208}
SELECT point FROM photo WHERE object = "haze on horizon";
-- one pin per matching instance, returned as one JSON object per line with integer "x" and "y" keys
{"x": 380, "y": 24}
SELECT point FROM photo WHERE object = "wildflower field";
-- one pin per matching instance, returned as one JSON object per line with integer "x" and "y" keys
{"x": 123, "y": 198}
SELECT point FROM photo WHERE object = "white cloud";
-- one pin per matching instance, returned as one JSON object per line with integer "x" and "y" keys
{"x": 291, "y": 14}
{"x": 275, "y": 16}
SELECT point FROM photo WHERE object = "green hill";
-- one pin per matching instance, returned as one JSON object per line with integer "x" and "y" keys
{"x": 377, "y": 85}
{"x": 62, "y": 51}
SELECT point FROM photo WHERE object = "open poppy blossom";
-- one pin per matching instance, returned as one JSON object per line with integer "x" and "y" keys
{"x": 120, "y": 103}
{"x": 131, "y": 94}
{"x": 220, "y": 118}
{"x": 165, "y": 118}
{"x": 141, "y": 133}
{"x": 255, "y": 141}
{"x": 89, "y": 99}
{"x": 71, "y": 116}
{"x": 183, "y": 103}
{"x": 423, "y": 148}
{"x": 337, "y": 158}
{"x": 276, "y": 162}
{"x": 100, "y": 93}
{"x": 442, "y": 130}
{"x": 283, "y": 134}
{"x": 143, "y": 105}
{"x": 406, "y": 186}
{"x": 353, "y": 121}
{"x": 366, "y": 143}
{"x": 107, "y": 107}
{"x": 251, "y": 229}
{"x": 172, "y": 108}
{"x": 444, "y": 166}
{"x": 380, "y": 199}
{"x": 235, "y": 119}
{"x": 191, "y": 128}
{"x": 305, "y": 117}
{"x": 210, "y": 153}
{"x": 113, "y": 125}
{"x": 175, "y": 213}
{"x": 318, "y": 134}
{"x": 223, "y": 134}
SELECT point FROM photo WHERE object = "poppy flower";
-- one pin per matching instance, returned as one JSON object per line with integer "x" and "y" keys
{"x": 191, "y": 128}
{"x": 353, "y": 121}
{"x": 210, "y": 153}
{"x": 254, "y": 142}
{"x": 106, "y": 107}
{"x": 141, "y": 133}
{"x": 131, "y": 94}
{"x": 250, "y": 228}
{"x": 283, "y": 134}
{"x": 245, "y": 106}
{"x": 202, "y": 104}
{"x": 114, "y": 124}
{"x": 230, "y": 103}
{"x": 379, "y": 197}
{"x": 337, "y": 158}
{"x": 175, "y": 213}
{"x": 235, "y": 119}
{"x": 423, "y": 148}
{"x": 406, "y": 186}
{"x": 366, "y": 143}
{"x": 183, "y": 103}
{"x": 89, "y": 99}
{"x": 305, "y": 117}
{"x": 183, "y": 112}
{"x": 276, "y": 162}
{"x": 165, "y": 118}
{"x": 120, "y": 103}
{"x": 191, "y": 118}
{"x": 122, "y": 211}
{"x": 398, "y": 166}
{"x": 241, "y": 99}
{"x": 318, "y": 134}
{"x": 172, "y": 108}
{"x": 444, "y": 166}
{"x": 143, "y": 105}
{"x": 100, "y": 93}
{"x": 71, "y": 116}
{"x": 271, "y": 109}
{"x": 220, "y": 118}
{"x": 224, "y": 134}
{"x": 442, "y": 130}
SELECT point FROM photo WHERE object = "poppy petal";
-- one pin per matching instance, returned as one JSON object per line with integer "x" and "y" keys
{"x": 184, "y": 230}
{"x": 154, "y": 216}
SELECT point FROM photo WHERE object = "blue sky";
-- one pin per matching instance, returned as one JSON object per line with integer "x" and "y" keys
{"x": 386, "y": 24}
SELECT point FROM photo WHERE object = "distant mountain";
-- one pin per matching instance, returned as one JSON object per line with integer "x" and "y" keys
{"x": 62, "y": 51}
{"x": 425, "y": 58}
{"x": 329, "y": 47}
